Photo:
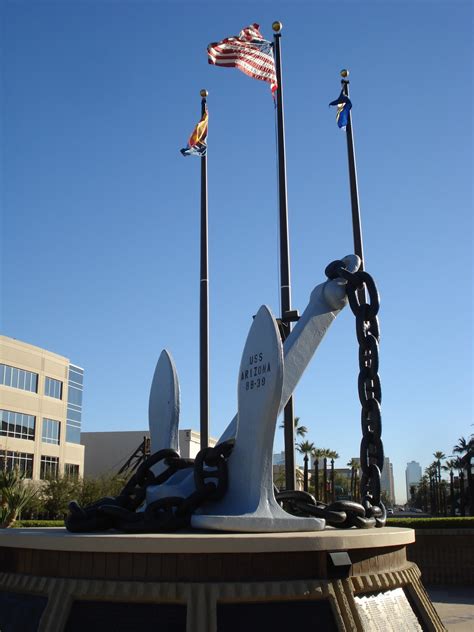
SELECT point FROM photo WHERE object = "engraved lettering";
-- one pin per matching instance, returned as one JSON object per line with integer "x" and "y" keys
{"x": 257, "y": 367}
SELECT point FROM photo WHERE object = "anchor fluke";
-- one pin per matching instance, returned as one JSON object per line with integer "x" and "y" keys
{"x": 164, "y": 406}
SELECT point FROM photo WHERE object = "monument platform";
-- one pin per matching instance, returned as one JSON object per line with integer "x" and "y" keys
{"x": 52, "y": 580}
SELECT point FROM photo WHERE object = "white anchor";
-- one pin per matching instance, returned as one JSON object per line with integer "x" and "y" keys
{"x": 326, "y": 301}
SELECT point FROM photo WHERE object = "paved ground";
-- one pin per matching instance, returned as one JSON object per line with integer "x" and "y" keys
{"x": 455, "y": 606}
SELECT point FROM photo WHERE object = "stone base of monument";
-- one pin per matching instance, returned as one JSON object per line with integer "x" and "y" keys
{"x": 52, "y": 580}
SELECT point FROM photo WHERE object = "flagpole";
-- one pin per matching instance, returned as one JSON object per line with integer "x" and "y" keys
{"x": 204, "y": 301}
{"x": 285, "y": 284}
{"x": 356, "y": 223}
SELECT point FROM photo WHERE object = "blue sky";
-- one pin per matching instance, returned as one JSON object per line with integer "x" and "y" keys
{"x": 100, "y": 234}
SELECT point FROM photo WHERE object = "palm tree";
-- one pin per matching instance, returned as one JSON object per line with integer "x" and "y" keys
{"x": 439, "y": 456}
{"x": 300, "y": 431}
{"x": 432, "y": 472}
{"x": 317, "y": 453}
{"x": 354, "y": 465}
{"x": 306, "y": 448}
{"x": 449, "y": 466}
{"x": 333, "y": 455}
{"x": 466, "y": 450}
{"x": 325, "y": 454}
{"x": 15, "y": 494}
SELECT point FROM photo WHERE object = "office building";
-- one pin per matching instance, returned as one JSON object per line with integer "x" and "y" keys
{"x": 386, "y": 480}
{"x": 107, "y": 452}
{"x": 41, "y": 411}
{"x": 413, "y": 475}
{"x": 279, "y": 458}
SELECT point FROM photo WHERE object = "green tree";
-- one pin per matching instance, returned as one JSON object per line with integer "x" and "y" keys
{"x": 450, "y": 466}
{"x": 93, "y": 489}
{"x": 299, "y": 431}
{"x": 56, "y": 494}
{"x": 439, "y": 456}
{"x": 306, "y": 448}
{"x": 465, "y": 448}
{"x": 15, "y": 493}
{"x": 354, "y": 465}
{"x": 318, "y": 455}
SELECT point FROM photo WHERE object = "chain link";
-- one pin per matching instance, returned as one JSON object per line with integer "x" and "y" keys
{"x": 371, "y": 511}
{"x": 165, "y": 514}
{"x": 360, "y": 284}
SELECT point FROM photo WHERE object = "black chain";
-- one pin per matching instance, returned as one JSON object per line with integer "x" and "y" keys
{"x": 371, "y": 511}
{"x": 166, "y": 514}
{"x": 360, "y": 284}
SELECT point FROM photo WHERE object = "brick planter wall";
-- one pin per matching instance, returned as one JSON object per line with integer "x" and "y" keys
{"x": 444, "y": 556}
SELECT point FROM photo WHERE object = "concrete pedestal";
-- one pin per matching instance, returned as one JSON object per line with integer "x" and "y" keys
{"x": 208, "y": 582}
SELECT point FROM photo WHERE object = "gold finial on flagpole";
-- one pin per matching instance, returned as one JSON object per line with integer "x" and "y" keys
{"x": 277, "y": 26}
{"x": 344, "y": 73}
{"x": 204, "y": 93}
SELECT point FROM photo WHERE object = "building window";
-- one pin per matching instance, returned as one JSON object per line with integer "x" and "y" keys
{"x": 18, "y": 378}
{"x": 51, "y": 431}
{"x": 74, "y": 404}
{"x": 49, "y": 467}
{"x": 76, "y": 375}
{"x": 17, "y": 425}
{"x": 73, "y": 434}
{"x": 71, "y": 470}
{"x": 53, "y": 388}
{"x": 21, "y": 460}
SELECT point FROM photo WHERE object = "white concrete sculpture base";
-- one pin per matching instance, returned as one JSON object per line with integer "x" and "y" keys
{"x": 249, "y": 504}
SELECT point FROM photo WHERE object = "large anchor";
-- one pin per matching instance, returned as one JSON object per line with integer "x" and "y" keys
{"x": 326, "y": 301}
{"x": 230, "y": 487}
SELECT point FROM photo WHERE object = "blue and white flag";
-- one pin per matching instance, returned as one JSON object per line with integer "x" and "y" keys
{"x": 344, "y": 105}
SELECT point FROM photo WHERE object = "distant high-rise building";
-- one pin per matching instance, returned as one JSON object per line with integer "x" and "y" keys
{"x": 386, "y": 480}
{"x": 413, "y": 476}
{"x": 279, "y": 458}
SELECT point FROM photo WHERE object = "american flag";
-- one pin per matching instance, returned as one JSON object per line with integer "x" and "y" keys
{"x": 248, "y": 52}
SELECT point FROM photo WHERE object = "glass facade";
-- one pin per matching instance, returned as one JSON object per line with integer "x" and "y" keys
{"x": 22, "y": 460}
{"x": 18, "y": 378}
{"x": 17, "y": 425}
{"x": 51, "y": 431}
{"x": 53, "y": 388}
{"x": 49, "y": 467}
{"x": 74, "y": 404}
